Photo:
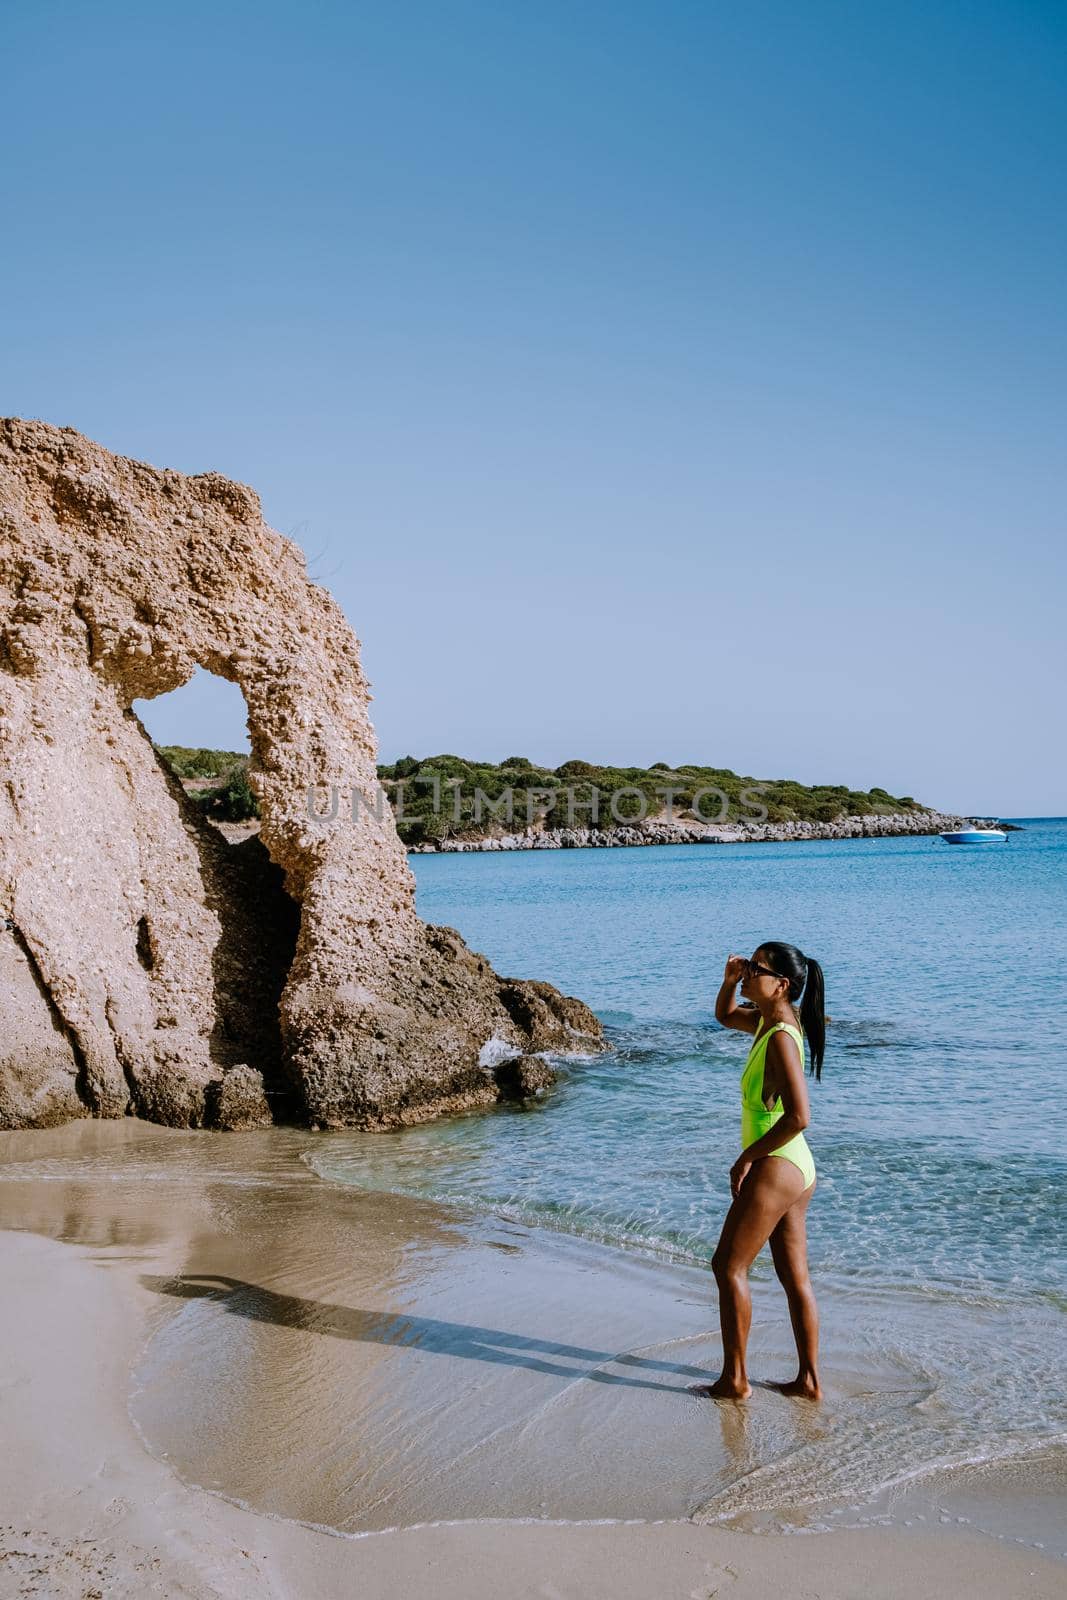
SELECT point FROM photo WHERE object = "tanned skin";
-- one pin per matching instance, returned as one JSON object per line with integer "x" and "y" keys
{"x": 770, "y": 1202}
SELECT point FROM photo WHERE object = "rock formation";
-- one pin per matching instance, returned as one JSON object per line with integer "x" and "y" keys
{"x": 146, "y": 965}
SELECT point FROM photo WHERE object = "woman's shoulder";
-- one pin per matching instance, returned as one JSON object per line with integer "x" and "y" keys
{"x": 763, "y": 1034}
{"x": 793, "y": 1028}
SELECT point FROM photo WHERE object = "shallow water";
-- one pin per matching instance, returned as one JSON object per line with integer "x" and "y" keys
{"x": 936, "y": 1130}
{"x": 937, "y": 1126}
{"x": 362, "y": 1360}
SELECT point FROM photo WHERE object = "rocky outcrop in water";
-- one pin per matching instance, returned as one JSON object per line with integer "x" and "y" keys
{"x": 147, "y": 965}
{"x": 653, "y": 831}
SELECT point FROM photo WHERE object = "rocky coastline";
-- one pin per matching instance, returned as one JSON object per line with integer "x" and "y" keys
{"x": 658, "y": 831}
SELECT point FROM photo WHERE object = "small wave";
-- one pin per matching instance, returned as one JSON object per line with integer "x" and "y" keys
{"x": 554, "y": 1218}
{"x": 495, "y": 1050}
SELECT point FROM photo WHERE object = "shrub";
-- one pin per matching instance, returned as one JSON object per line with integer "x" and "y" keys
{"x": 234, "y": 801}
{"x": 189, "y": 763}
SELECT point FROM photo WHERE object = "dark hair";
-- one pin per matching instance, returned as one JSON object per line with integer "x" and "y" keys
{"x": 804, "y": 973}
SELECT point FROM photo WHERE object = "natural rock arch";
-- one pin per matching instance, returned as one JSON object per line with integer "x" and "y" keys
{"x": 145, "y": 964}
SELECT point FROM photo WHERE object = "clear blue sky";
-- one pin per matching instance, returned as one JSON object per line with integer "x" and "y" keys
{"x": 664, "y": 381}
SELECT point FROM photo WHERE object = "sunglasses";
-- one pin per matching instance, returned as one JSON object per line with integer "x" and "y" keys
{"x": 753, "y": 968}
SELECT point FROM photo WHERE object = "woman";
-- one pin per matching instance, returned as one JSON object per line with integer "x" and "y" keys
{"x": 773, "y": 1179}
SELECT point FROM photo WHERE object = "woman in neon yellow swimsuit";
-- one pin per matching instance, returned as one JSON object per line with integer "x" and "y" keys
{"x": 773, "y": 1179}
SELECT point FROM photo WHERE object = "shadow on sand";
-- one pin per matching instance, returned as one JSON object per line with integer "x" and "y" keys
{"x": 461, "y": 1339}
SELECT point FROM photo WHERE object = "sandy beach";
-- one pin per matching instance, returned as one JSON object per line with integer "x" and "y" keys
{"x": 446, "y": 452}
{"x": 224, "y": 1376}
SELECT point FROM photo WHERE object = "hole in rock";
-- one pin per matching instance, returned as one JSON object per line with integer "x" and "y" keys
{"x": 199, "y": 733}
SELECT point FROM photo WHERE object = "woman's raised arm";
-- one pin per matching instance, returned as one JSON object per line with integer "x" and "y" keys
{"x": 727, "y": 1011}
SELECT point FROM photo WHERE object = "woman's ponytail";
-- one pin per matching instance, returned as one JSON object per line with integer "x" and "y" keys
{"x": 813, "y": 1015}
{"x": 802, "y": 974}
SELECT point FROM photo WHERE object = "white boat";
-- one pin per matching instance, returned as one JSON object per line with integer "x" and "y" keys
{"x": 975, "y": 836}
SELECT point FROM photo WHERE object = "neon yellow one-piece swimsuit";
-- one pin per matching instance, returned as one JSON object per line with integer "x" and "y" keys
{"x": 756, "y": 1119}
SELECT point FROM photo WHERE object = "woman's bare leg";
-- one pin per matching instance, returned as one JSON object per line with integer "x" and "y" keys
{"x": 789, "y": 1249}
{"x": 770, "y": 1189}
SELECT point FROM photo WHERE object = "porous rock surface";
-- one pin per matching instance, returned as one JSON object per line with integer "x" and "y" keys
{"x": 146, "y": 965}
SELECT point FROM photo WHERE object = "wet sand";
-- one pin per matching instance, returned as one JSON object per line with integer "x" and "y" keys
{"x": 223, "y": 1376}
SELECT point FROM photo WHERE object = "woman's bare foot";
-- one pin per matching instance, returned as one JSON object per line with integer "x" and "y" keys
{"x": 723, "y": 1389}
{"x": 805, "y": 1388}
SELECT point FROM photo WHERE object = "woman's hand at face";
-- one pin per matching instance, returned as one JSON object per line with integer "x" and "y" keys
{"x": 738, "y": 1173}
{"x": 735, "y": 969}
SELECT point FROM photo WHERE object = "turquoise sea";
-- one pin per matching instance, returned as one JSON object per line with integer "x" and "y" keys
{"x": 937, "y": 1128}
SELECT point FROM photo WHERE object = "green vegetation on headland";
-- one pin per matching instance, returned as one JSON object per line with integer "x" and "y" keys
{"x": 446, "y": 797}
{"x": 460, "y": 804}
